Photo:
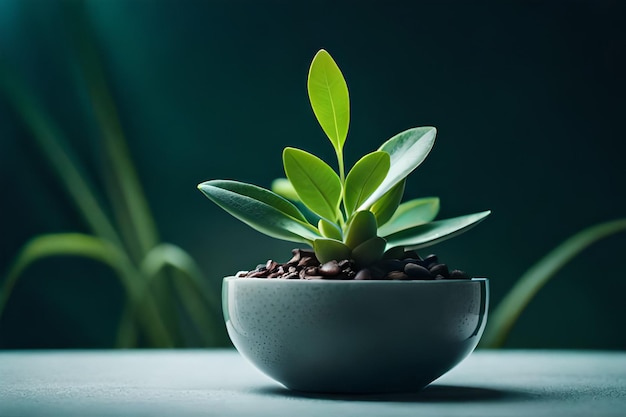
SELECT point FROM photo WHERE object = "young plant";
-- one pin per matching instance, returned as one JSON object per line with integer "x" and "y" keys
{"x": 358, "y": 216}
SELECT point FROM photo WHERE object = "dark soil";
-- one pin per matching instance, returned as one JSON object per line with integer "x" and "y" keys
{"x": 304, "y": 265}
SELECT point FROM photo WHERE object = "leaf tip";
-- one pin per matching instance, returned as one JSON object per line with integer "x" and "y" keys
{"x": 322, "y": 51}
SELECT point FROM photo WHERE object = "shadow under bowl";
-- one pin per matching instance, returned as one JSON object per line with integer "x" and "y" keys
{"x": 355, "y": 336}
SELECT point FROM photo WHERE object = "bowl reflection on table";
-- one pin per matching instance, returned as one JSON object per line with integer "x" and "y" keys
{"x": 355, "y": 336}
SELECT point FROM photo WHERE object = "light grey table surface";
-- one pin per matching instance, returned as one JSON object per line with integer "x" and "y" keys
{"x": 221, "y": 383}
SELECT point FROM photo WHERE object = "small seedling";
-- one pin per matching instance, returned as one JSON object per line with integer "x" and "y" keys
{"x": 358, "y": 216}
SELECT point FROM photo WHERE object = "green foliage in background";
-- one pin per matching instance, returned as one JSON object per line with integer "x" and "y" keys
{"x": 358, "y": 216}
{"x": 163, "y": 285}
{"x": 504, "y": 316}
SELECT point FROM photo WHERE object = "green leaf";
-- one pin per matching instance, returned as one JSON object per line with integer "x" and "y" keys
{"x": 434, "y": 232}
{"x": 407, "y": 151}
{"x": 329, "y": 229}
{"x": 369, "y": 251}
{"x": 503, "y": 318}
{"x": 329, "y": 98}
{"x": 72, "y": 244}
{"x": 283, "y": 188}
{"x": 329, "y": 249}
{"x": 317, "y": 185}
{"x": 394, "y": 253}
{"x": 168, "y": 255}
{"x": 361, "y": 227}
{"x": 410, "y": 214}
{"x": 69, "y": 244}
{"x": 386, "y": 206}
{"x": 364, "y": 178}
{"x": 198, "y": 298}
{"x": 102, "y": 250}
{"x": 54, "y": 146}
{"x": 260, "y": 209}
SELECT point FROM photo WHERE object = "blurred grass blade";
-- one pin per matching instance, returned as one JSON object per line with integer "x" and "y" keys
{"x": 54, "y": 148}
{"x": 127, "y": 332}
{"x": 65, "y": 244}
{"x": 206, "y": 322}
{"x": 101, "y": 250}
{"x": 198, "y": 300}
{"x": 122, "y": 182}
{"x": 511, "y": 307}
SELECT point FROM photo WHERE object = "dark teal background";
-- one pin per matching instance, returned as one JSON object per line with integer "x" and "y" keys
{"x": 528, "y": 98}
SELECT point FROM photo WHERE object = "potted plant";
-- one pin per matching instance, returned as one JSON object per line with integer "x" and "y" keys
{"x": 359, "y": 310}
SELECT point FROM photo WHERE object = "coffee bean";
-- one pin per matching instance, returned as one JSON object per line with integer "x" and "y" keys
{"x": 343, "y": 263}
{"x": 314, "y": 277}
{"x": 397, "y": 275}
{"x": 440, "y": 269}
{"x": 431, "y": 260}
{"x": 295, "y": 258}
{"x": 306, "y": 261}
{"x": 417, "y": 271}
{"x": 411, "y": 254}
{"x": 363, "y": 274}
{"x": 308, "y": 252}
{"x": 305, "y": 265}
{"x": 329, "y": 269}
{"x": 391, "y": 265}
{"x": 377, "y": 273}
{"x": 312, "y": 270}
{"x": 458, "y": 274}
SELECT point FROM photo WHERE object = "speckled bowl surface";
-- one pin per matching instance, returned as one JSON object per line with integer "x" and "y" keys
{"x": 355, "y": 336}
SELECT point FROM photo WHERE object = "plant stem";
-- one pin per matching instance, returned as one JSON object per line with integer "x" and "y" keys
{"x": 342, "y": 177}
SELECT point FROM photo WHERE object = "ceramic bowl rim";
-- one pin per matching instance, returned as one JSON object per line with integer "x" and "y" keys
{"x": 360, "y": 282}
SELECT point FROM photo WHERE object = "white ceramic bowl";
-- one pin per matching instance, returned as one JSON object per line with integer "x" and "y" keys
{"x": 355, "y": 336}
